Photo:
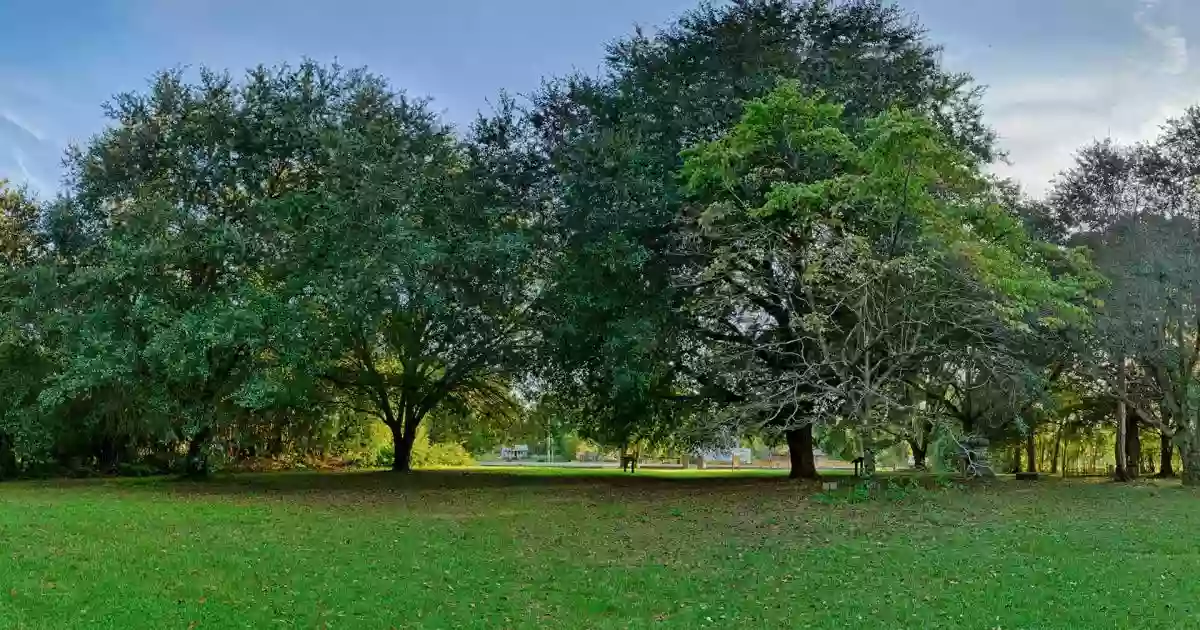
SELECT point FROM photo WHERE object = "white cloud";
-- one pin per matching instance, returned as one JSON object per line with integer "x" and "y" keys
{"x": 21, "y": 123}
{"x": 1174, "y": 45}
{"x": 29, "y": 178}
{"x": 1042, "y": 135}
{"x": 1043, "y": 120}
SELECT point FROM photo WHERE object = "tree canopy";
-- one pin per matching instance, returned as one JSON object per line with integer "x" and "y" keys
{"x": 769, "y": 221}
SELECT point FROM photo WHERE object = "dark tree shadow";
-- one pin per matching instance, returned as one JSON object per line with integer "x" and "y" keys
{"x": 292, "y": 484}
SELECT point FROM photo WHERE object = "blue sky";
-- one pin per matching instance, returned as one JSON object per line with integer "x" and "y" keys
{"x": 1061, "y": 72}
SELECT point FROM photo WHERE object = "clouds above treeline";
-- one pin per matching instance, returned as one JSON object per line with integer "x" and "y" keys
{"x": 1046, "y": 109}
{"x": 28, "y": 151}
{"x": 1060, "y": 73}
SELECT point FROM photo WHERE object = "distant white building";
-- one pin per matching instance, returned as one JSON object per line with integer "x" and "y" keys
{"x": 520, "y": 451}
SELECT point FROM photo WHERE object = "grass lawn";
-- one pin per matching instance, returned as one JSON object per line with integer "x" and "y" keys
{"x": 492, "y": 549}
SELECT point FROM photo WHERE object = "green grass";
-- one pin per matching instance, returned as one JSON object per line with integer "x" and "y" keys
{"x": 492, "y": 549}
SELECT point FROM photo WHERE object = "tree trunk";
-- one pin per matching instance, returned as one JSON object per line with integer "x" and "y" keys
{"x": 1133, "y": 447}
{"x": 1166, "y": 457}
{"x": 1030, "y": 452}
{"x": 1122, "y": 458}
{"x": 1057, "y": 446}
{"x": 195, "y": 466}
{"x": 402, "y": 444}
{"x": 8, "y": 457}
{"x": 1190, "y": 450}
{"x": 1121, "y": 473}
{"x": 868, "y": 466}
{"x": 800, "y": 451}
{"x": 919, "y": 455}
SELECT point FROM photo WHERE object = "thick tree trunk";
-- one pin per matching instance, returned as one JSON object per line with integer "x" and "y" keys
{"x": 1191, "y": 461}
{"x": 402, "y": 443}
{"x": 1122, "y": 458}
{"x": 1030, "y": 452}
{"x": 800, "y": 451}
{"x": 8, "y": 457}
{"x": 195, "y": 466}
{"x": 1121, "y": 473}
{"x": 1166, "y": 457}
{"x": 1133, "y": 447}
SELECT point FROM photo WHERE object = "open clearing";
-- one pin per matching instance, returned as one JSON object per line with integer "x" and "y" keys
{"x": 588, "y": 550}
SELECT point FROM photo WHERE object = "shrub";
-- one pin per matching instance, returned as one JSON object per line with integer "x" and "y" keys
{"x": 427, "y": 454}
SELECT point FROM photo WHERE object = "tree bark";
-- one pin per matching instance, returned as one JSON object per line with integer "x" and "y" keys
{"x": 1121, "y": 474}
{"x": 8, "y": 457}
{"x": 1057, "y": 446}
{"x": 1122, "y": 458}
{"x": 1166, "y": 457}
{"x": 1190, "y": 450}
{"x": 1133, "y": 447}
{"x": 868, "y": 467}
{"x": 195, "y": 466}
{"x": 919, "y": 455}
{"x": 800, "y": 451}
{"x": 402, "y": 444}
{"x": 1030, "y": 452}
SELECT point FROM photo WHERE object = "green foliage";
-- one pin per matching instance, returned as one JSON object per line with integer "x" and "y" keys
{"x": 174, "y": 317}
{"x": 250, "y": 261}
{"x": 840, "y": 264}
{"x": 1134, "y": 207}
{"x": 427, "y": 454}
{"x": 768, "y": 216}
{"x": 420, "y": 283}
{"x": 622, "y": 338}
{"x": 24, "y": 360}
{"x": 441, "y": 455}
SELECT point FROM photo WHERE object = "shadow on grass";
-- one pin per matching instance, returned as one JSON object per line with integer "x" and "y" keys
{"x": 460, "y": 479}
{"x": 518, "y": 478}
{"x": 441, "y": 486}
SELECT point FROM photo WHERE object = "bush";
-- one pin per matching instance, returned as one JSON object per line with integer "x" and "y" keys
{"x": 567, "y": 447}
{"x": 427, "y": 454}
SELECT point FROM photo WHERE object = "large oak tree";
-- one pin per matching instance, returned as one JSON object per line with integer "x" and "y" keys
{"x": 618, "y": 324}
